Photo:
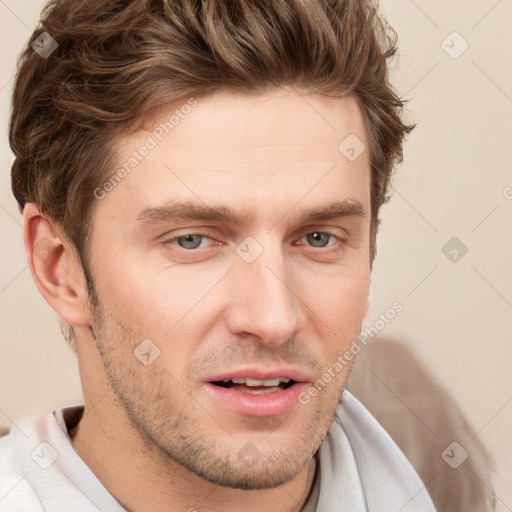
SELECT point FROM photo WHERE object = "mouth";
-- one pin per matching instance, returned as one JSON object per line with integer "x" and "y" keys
{"x": 257, "y": 392}
{"x": 255, "y": 387}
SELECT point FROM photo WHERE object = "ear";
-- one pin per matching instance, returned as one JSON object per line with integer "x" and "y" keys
{"x": 55, "y": 268}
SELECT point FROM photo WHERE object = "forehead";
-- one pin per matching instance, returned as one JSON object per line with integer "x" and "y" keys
{"x": 278, "y": 149}
{"x": 281, "y": 119}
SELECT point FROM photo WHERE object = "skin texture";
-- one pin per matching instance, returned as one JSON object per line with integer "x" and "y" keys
{"x": 152, "y": 433}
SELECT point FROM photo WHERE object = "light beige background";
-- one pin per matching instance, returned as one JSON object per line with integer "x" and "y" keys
{"x": 455, "y": 181}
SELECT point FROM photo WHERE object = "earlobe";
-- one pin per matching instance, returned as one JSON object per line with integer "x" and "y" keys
{"x": 54, "y": 267}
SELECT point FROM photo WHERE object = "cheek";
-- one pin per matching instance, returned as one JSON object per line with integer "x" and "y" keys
{"x": 339, "y": 307}
{"x": 342, "y": 287}
{"x": 129, "y": 298}
{"x": 173, "y": 309}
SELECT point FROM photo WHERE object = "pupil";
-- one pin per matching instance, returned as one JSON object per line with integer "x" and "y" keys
{"x": 189, "y": 241}
{"x": 315, "y": 238}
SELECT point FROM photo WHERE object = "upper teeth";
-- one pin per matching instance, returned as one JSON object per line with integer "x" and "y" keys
{"x": 252, "y": 382}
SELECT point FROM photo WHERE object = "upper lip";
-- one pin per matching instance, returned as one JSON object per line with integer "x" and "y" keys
{"x": 261, "y": 374}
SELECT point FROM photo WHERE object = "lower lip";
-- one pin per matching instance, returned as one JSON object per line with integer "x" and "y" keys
{"x": 265, "y": 404}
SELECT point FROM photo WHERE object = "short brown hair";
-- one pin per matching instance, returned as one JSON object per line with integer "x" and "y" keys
{"x": 118, "y": 59}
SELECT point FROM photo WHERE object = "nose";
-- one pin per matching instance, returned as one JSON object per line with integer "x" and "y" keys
{"x": 264, "y": 301}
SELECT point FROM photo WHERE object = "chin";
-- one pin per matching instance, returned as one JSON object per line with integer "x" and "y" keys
{"x": 265, "y": 473}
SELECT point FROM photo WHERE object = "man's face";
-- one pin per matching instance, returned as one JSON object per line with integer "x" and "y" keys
{"x": 269, "y": 293}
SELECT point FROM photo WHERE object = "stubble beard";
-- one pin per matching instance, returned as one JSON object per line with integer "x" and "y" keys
{"x": 174, "y": 426}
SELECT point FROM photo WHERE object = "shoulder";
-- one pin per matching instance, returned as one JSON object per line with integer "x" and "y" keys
{"x": 16, "y": 493}
{"x": 386, "y": 476}
{"x": 13, "y": 449}
{"x": 369, "y": 441}
{"x": 24, "y": 464}
{"x": 21, "y": 444}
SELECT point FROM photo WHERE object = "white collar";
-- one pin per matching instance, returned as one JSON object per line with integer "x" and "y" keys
{"x": 362, "y": 469}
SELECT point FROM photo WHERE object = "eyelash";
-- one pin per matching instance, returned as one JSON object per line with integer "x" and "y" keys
{"x": 207, "y": 235}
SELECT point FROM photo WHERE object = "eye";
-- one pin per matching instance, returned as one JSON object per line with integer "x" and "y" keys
{"x": 193, "y": 241}
{"x": 190, "y": 241}
{"x": 320, "y": 239}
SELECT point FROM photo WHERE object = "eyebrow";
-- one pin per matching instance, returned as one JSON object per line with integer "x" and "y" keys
{"x": 179, "y": 210}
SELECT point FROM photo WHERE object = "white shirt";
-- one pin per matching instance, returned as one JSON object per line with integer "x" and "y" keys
{"x": 360, "y": 468}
